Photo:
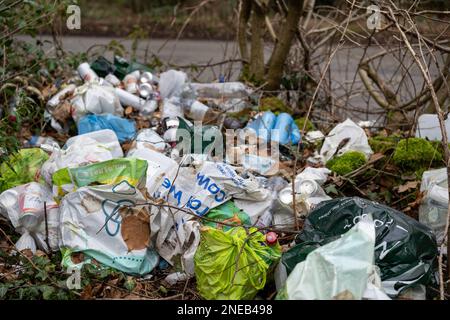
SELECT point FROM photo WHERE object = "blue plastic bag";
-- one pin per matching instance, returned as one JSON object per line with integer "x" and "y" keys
{"x": 125, "y": 129}
{"x": 281, "y": 128}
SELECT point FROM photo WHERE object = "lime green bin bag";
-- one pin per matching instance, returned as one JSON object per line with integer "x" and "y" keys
{"x": 21, "y": 167}
{"x": 233, "y": 265}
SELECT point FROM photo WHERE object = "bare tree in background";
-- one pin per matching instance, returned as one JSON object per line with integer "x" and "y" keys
{"x": 253, "y": 17}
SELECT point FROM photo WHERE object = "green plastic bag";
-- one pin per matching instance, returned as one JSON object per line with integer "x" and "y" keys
{"x": 233, "y": 265}
{"x": 229, "y": 214}
{"x": 21, "y": 167}
{"x": 112, "y": 172}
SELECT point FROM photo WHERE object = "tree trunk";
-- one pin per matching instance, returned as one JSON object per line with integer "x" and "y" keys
{"x": 283, "y": 46}
{"x": 257, "y": 49}
{"x": 244, "y": 15}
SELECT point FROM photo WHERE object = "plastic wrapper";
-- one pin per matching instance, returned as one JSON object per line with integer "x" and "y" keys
{"x": 433, "y": 211}
{"x": 172, "y": 83}
{"x": 175, "y": 236}
{"x": 107, "y": 139}
{"x": 226, "y": 216}
{"x": 126, "y": 171}
{"x": 159, "y": 168}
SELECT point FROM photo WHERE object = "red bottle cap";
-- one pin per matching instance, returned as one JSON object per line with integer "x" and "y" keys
{"x": 271, "y": 237}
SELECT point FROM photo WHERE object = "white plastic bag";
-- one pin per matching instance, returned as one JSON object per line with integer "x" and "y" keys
{"x": 159, "y": 168}
{"x": 337, "y": 270}
{"x": 107, "y": 138}
{"x": 148, "y": 139}
{"x": 24, "y": 207}
{"x": 109, "y": 224}
{"x": 82, "y": 150}
{"x": 96, "y": 99}
{"x": 175, "y": 235}
{"x": 345, "y": 130}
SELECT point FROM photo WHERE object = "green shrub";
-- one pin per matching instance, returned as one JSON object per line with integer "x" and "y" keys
{"x": 346, "y": 163}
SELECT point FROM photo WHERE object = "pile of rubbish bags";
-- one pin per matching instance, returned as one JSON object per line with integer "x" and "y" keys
{"x": 136, "y": 208}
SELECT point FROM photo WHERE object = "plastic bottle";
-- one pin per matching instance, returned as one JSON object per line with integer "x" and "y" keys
{"x": 433, "y": 211}
{"x": 198, "y": 111}
{"x": 221, "y": 90}
{"x": 31, "y": 203}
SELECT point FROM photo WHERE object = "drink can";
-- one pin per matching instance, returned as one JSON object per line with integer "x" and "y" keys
{"x": 113, "y": 80}
{"x": 145, "y": 90}
{"x": 86, "y": 73}
{"x": 148, "y": 77}
{"x": 130, "y": 82}
{"x": 307, "y": 187}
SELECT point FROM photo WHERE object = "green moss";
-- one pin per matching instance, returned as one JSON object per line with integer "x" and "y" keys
{"x": 415, "y": 154}
{"x": 301, "y": 122}
{"x": 348, "y": 162}
{"x": 381, "y": 144}
{"x": 273, "y": 104}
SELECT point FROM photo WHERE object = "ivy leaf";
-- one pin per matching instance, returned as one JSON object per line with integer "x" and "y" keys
{"x": 130, "y": 284}
{"x": 47, "y": 292}
{"x": 3, "y": 290}
{"x": 331, "y": 189}
{"x": 42, "y": 275}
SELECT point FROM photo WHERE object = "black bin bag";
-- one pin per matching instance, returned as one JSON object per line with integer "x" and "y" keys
{"x": 405, "y": 250}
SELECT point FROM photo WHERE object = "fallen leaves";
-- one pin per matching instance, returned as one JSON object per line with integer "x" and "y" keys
{"x": 408, "y": 186}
